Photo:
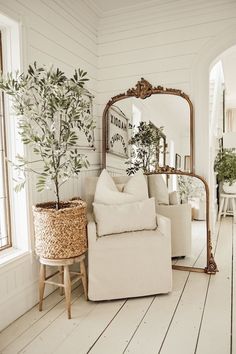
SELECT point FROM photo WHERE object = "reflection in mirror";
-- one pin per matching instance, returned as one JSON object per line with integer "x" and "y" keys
{"x": 168, "y": 110}
{"x": 191, "y": 191}
{"x": 184, "y": 199}
{"x": 147, "y": 148}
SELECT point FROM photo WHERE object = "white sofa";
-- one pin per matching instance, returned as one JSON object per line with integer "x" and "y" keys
{"x": 130, "y": 264}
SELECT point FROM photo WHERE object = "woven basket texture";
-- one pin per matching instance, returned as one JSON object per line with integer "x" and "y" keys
{"x": 60, "y": 233}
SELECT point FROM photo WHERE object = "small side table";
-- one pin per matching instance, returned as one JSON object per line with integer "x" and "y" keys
{"x": 65, "y": 276}
{"x": 224, "y": 201}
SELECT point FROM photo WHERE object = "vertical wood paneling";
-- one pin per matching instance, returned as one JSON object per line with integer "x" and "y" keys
{"x": 65, "y": 36}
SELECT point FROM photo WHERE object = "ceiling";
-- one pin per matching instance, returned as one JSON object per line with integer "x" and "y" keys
{"x": 113, "y": 5}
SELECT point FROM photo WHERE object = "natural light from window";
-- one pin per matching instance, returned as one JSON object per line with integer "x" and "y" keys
{"x": 14, "y": 207}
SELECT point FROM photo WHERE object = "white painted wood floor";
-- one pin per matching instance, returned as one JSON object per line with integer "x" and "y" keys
{"x": 199, "y": 316}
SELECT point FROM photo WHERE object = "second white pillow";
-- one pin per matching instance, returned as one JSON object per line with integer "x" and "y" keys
{"x": 107, "y": 192}
{"x": 114, "y": 219}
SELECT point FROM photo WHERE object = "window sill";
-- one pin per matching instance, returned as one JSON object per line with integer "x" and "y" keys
{"x": 11, "y": 255}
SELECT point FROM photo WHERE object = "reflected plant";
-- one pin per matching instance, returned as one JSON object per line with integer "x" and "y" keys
{"x": 189, "y": 187}
{"x": 145, "y": 148}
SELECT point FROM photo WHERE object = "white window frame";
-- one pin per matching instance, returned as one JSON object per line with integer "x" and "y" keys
{"x": 5, "y": 223}
{"x": 21, "y": 223}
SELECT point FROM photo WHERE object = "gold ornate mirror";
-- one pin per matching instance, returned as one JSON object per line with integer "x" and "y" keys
{"x": 188, "y": 210}
{"x": 169, "y": 108}
{"x": 169, "y": 112}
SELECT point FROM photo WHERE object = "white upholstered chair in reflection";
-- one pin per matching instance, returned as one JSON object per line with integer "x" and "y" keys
{"x": 128, "y": 264}
{"x": 180, "y": 215}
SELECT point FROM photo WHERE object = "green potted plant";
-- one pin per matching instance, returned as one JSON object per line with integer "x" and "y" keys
{"x": 51, "y": 110}
{"x": 145, "y": 148}
{"x": 225, "y": 167}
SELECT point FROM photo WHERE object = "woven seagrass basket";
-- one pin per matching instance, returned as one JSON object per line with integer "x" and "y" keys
{"x": 60, "y": 233}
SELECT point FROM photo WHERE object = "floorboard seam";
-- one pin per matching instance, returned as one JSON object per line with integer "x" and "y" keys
{"x": 106, "y": 327}
{"x": 47, "y": 325}
{"x": 139, "y": 324}
{"x": 174, "y": 313}
{"x": 203, "y": 311}
{"x": 208, "y": 285}
{"x": 232, "y": 292}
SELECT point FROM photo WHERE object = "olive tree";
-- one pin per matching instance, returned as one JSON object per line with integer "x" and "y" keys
{"x": 51, "y": 110}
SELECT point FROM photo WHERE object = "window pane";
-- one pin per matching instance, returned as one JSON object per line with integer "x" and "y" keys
{"x": 4, "y": 206}
{"x": 3, "y": 230}
{"x": 5, "y": 240}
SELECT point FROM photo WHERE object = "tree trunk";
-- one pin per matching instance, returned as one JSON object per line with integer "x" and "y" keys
{"x": 57, "y": 194}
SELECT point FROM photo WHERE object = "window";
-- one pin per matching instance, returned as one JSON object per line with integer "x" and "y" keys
{"x": 136, "y": 115}
{"x": 16, "y": 225}
{"x": 5, "y": 234}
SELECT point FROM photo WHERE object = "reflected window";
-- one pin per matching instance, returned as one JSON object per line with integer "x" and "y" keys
{"x": 136, "y": 115}
{"x": 172, "y": 153}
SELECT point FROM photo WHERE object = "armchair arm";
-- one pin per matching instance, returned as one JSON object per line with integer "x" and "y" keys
{"x": 177, "y": 211}
{"x": 180, "y": 217}
{"x": 91, "y": 231}
{"x": 164, "y": 225}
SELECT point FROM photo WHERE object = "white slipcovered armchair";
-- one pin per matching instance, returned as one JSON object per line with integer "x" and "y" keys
{"x": 128, "y": 264}
{"x": 180, "y": 215}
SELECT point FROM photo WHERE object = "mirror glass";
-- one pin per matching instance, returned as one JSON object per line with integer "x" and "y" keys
{"x": 189, "y": 219}
{"x": 168, "y": 112}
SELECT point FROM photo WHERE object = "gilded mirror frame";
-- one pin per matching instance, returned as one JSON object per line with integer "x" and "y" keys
{"x": 211, "y": 267}
{"x": 143, "y": 89}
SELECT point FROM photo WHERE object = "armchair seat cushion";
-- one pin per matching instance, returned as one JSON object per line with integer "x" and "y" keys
{"x": 129, "y": 265}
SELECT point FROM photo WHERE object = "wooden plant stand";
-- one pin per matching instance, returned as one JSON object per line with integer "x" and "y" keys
{"x": 65, "y": 276}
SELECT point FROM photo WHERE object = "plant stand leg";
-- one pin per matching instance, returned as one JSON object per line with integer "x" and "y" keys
{"x": 67, "y": 284}
{"x": 221, "y": 207}
{"x": 42, "y": 276}
{"x": 84, "y": 278}
{"x": 226, "y": 206}
{"x": 61, "y": 289}
{"x": 234, "y": 211}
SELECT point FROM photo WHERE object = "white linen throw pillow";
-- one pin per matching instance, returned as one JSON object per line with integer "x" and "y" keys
{"x": 107, "y": 192}
{"x": 115, "y": 218}
{"x": 158, "y": 189}
{"x": 173, "y": 198}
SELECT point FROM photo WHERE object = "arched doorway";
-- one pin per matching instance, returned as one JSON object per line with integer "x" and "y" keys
{"x": 206, "y": 59}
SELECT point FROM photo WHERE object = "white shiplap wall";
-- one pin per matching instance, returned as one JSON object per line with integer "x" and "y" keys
{"x": 162, "y": 42}
{"x": 62, "y": 33}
